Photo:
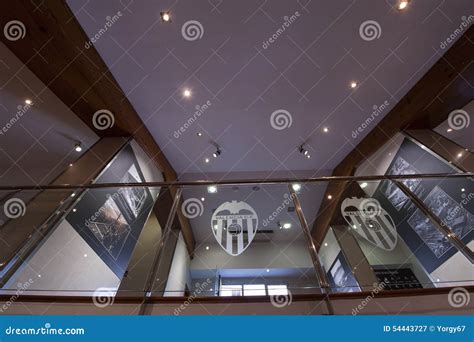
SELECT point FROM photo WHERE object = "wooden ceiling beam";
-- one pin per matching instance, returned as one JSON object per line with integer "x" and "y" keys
{"x": 447, "y": 86}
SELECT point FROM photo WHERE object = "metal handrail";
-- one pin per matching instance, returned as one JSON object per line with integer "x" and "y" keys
{"x": 238, "y": 181}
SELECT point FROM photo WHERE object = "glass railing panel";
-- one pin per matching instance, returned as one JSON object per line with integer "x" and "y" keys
{"x": 248, "y": 242}
{"x": 81, "y": 241}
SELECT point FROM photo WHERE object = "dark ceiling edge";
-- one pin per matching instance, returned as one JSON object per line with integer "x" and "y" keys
{"x": 54, "y": 49}
{"x": 444, "y": 88}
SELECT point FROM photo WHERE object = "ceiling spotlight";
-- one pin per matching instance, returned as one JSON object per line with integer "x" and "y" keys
{"x": 304, "y": 151}
{"x": 325, "y": 244}
{"x": 329, "y": 197}
{"x": 325, "y": 129}
{"x": 353, "y": 84}
{"x": 70, "y": 164}
{"x": 286, "y": 225}
{"x": 462, "y": 189}
{"x": 402, "y": 4}
{"x": 449, "y": 130}
{"x": 308, "y": 156}
{"x": 202, "y": 199}
{"x": 78, "y": 147}
{"x": 268, "y": 270}
{"x": 206, "y": 160}
{"x": 212, "y": 189}
{"x": 364, "y": 185}
{"x": 296, "y": 187}
{"x": 217, "y": 153}
{"x": 74, "y": 210}
{"x": 199, "y": 134}
{"x": 165, "y": 17}
{"x": 28, "y": 101}
{"x": 187, "y": 93}
{"x": 207, "y": 248}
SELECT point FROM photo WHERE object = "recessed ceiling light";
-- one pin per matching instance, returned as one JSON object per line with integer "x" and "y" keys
{"x": 364, "y": 185}
{"x": 165, "y": 17}
{"x": 286, "y": 225}
{"x": 73, "y": 194}
{"x": 28, "y": 101}
{"x": 296, "y": 187}
{"x": 85, "y": 255}
{"x": 354, "y": 226}
{"x": 212, "y": 189}
{"x": 308, "y": 156}
{"x": 217, "y": 153}
{"x": 70, "y": 164}
{"x": 449, "y": 130}
{"x": 353, "y": 84}
{"x": 325, "y": 129}
{"x": 402, "y": 4}
{"x": 207, "y": 248}
{"x": 199, "y": 134}
{"x": 325, "y": 244}
{"x": 78, "y": 147}
{"x": 459, "y": 155}
{"x": 202, "y": 199}
{"x": 206, "y": 160}
{"x": 187, "y": 93}
{"x": 268, "y": 270}
{"x": 74, "y": 210}
{"x": 462, "y": 189}
{"x": 329, "y": 196}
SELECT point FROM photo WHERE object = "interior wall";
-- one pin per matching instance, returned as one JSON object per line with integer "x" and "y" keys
{"x": 65, "y": 262}
{"x": 179, "y": 275}
{"x": 455, "y": 271}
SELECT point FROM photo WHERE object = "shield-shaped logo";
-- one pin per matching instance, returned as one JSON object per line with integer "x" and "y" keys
{"x": 367, "y": 217}
{"x": 234, "y": 225}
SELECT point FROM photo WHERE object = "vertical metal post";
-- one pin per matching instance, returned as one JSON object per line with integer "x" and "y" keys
{"x": 322, "y": 278}
{"x": 438, "y": 223}
{"x": 157, "y": 260}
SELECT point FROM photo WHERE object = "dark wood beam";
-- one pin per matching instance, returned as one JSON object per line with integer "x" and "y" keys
{"x": 53, "y": 48}
{"x": 447, "y": 86}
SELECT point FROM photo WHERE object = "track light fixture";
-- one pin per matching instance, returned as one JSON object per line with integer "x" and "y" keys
{"x": 304, "y": 151}
{"x": 217, "y": 153}
{"x": 78, "y": 147}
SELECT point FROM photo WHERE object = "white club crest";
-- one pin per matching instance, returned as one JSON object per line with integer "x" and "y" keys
{"x": 367, "y": 217}
{"x": 234, "y": 225}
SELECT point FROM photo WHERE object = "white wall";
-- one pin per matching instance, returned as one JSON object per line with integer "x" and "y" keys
{"x": 65, "y": 262}
{"x": 455, "y": 268}
{"x": 179, "y": 271}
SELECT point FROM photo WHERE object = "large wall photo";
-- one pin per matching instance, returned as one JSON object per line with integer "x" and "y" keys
{"x": 447, "y": 198}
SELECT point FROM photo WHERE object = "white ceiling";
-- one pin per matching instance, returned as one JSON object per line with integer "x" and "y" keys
{"x": 306, "y": 72}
